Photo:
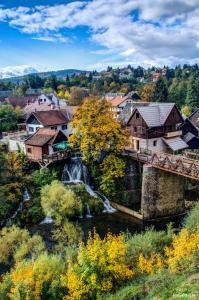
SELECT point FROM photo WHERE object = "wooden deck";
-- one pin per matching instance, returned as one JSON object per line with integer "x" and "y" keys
{"x": 48, "y": 159}
{"x": 176, "y": 164}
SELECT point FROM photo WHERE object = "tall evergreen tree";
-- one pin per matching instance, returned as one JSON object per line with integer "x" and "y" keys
{"x": 160, "y": 92}
{"x": 192, "y": 98}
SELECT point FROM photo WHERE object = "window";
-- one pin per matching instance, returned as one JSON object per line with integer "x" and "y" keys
{"x": 154, "y": 143}
{"x": 137, "y": 115}
{"x": 173, "y": 114}
{"x": 53, "y": 127}
{"x": 137, "y": 145}
{"x": 135, "y": 129}
{"x": 31, "y": 129}
{"x": 64, "y": 127}
{"x": 29, "y": 150}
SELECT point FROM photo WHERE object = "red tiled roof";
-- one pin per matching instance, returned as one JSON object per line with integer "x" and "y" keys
{"x": 118, "y": 100}
{"x": 51, "y": 117}
{"x": 41, "y": 137}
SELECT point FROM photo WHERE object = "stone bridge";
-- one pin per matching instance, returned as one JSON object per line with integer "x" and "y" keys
{"x": 158, "y": 183}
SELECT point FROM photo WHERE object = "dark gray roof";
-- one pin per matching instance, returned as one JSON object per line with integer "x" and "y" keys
{"x": 175, "y": 143}
{"x": 188, "y": 137}
{"x": 154, "y": 114}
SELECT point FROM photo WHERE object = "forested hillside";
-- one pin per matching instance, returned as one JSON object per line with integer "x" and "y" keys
{"x": 179, "y": 84}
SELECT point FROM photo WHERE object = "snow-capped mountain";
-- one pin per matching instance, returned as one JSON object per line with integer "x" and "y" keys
{"x": 14, "y": 71}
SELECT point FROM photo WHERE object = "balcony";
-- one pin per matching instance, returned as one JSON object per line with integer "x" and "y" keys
{"x": 173, "y": 134}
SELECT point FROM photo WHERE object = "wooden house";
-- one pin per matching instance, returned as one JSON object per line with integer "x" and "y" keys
{"x": 154, "y": 127}
{"x": 45, "y": 142}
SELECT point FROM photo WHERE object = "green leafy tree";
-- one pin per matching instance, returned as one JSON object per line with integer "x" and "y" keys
{"x": 112, "y": 169}
{"x": 60, "y": 202}
{"x": 17, "y": 244}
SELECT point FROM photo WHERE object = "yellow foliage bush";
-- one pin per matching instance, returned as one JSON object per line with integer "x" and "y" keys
{"x": 101, "y": 265}
{"x": 150, "y": 265}
{"x": 31, "y": 279}
{"x": 182, "y": 249}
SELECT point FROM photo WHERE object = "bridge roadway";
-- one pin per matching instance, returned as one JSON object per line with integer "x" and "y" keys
{"x": 177, "y": 164}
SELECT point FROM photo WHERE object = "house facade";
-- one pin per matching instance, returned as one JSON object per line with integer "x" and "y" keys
{"x": 118, "y": 103}
{"x": 45, "y": 142}
{"x": 51, "y": 119}
{"x": 154, "y": 128}
{"x": 194, "y": 118}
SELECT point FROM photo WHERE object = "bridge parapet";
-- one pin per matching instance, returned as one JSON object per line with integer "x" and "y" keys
{"x": 178, "y": 164}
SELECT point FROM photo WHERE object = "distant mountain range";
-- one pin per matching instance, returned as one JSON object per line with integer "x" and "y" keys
{"x": 16, "y": 74}
{"x": 9, "y": 72}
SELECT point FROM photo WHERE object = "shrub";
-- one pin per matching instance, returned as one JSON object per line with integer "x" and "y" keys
{"x": 16, "y": 244}
{"x": 101, "y": 266}
{"x": 42, "y": 177}
{"x": 34, "y": 213}
{"x": 180, "y": 253}
{"x": 147, "y": 243}
{"x": 39, "y": 279}
{"x": 95, "y": 204}
{"x": 59, "y": 201}
{"x": 192, "y": 220}
{"x": 130, "y": 292}
{"x": 67, "y": 234}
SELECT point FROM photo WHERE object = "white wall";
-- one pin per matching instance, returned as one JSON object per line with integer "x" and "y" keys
{"x": 34, "y": 126}
{"x": 147, "y": 144}
{"x": 15, "y": 145}
{"x": 67, "y": 131}
{"x": 44, "y": 99}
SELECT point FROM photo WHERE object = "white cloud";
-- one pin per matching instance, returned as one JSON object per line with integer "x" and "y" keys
{"x": 165, "y": 31}
{"x": 12, "y": 71}
{"x": 54, "y": 38}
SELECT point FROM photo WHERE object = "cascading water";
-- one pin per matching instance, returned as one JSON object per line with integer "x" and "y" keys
{"x": 47, "y": 220}
{"x": 26, "y": 198}
{"x": 77, "y": 172}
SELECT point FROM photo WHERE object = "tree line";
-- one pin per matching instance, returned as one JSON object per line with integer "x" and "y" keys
{"x": 179, "y": 84}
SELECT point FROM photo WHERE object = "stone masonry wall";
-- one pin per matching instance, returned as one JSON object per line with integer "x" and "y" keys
{"x": 162, "y": 193}
{"x": 133, "y": 182}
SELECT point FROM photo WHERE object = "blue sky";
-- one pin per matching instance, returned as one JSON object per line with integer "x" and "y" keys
{"x": 53, "y": 34}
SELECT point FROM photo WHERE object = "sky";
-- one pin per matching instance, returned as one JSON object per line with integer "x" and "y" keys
{"x": 89, "y": 35}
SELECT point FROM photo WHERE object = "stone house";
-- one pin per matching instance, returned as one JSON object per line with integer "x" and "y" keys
{"x": 154, "y": 127}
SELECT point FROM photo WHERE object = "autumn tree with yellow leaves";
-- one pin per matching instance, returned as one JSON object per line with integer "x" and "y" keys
{"x": 101, "y": 139}
{"x": 96, "y": 130}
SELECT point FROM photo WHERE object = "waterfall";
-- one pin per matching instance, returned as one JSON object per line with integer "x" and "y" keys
{"x": 26, "y": 195}
{"x": 107, "y": 206}
{"x": 47, "y": 220}
{"x": 88, "y": 212}
{"x": 77, "y": 172}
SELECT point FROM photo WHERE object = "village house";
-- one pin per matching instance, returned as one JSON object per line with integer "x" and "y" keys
{"x": 45, "y": 142}
{"x": 190, "y": 134}
{"x": 194, "y": 118}
{"x": 118, "y": 103}
{"x": 51, "y": 119}
{"x": 154, "y": 127}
